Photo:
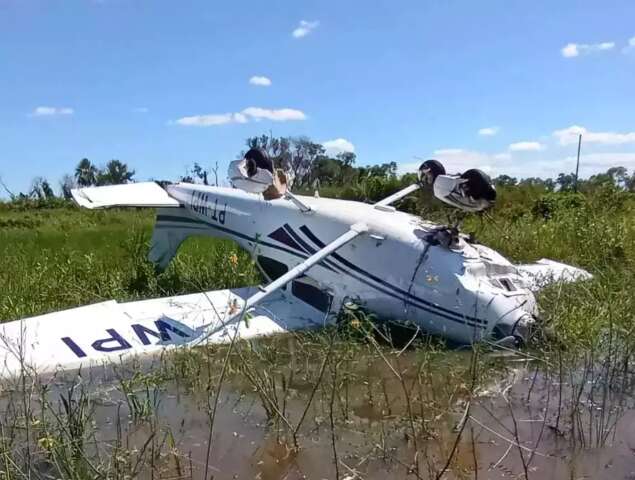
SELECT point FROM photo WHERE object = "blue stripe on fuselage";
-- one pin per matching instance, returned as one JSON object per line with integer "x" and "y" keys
{"x": 397, "y": 294}
{"x": 354, "y": 267}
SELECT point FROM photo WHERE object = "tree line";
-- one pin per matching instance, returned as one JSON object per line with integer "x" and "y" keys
{"x": 567, "y": 182}
{"x": 309, "y": 166}
{"x": 86, "y": 174}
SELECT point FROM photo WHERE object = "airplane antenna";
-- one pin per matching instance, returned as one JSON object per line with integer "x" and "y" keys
{"x": 577, "y": 165}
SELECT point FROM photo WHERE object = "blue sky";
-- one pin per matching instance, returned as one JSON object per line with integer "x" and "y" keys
{"x": 163, "y": 84}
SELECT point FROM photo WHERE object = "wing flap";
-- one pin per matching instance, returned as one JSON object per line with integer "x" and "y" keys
{"x": 110, "y": 331}
{"x": 144, "y": 194}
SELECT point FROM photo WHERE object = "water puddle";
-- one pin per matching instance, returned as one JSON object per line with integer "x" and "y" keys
{"x": 303, "y": 408}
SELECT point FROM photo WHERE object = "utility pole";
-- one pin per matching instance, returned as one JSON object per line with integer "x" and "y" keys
{"x": 577, "y": 165}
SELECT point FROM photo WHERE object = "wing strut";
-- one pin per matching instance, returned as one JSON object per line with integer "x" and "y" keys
{"x": 398, "y": 195}
{"x": 295, "y": 272}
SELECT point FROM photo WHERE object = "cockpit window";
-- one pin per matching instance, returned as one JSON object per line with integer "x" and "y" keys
{"x": 312, "y": 295}
{"x": 272, "y": 268}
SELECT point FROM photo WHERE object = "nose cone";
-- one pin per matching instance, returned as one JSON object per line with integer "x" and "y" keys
{"x": 514, "y": 328}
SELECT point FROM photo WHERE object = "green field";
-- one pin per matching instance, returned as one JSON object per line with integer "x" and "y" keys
{"x": 60, "y": 258}
{"x": 340, "y": 401}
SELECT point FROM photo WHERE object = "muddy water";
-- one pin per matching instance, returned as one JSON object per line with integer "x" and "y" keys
{"x": 375, "y": 415}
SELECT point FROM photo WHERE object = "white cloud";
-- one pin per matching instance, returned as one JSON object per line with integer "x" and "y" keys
{"x": 260, "y": 81}
{"x": 212, "y": 119}
{"x": 526, "y": 147}
{"x": 456, "y": 160}
{"x": 305, "y": 28}
{"x": 569, "y": 135}
{"x": 448, "y": 151}
{"x": 488, "y": 131}
{"x": 590, "y": 164}
{"x": 571, "y": 50}
{"x": 279, "y": 115}
{"x": 248, "y": 114}
{"x": 338, "y": 145}
{"x": 51, "y": 111}
{"x": 593, "y": 163}
{"x": 141, "y": 110}
{"x": 531, "y": 164}
{"x": 503, "y": 156}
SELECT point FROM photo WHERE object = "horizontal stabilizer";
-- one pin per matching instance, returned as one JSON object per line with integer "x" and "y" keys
{"x": 144, "y": 194}
{"x": 109, "y": 332}
{"x": 545, "y": 272}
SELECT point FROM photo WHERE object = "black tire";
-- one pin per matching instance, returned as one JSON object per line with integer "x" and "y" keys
{"x": 435, "y": 167}
{"x": 479, "y": 185}
{"x": 257, "y": 158}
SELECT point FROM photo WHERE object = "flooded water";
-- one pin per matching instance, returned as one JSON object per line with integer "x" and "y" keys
{"x": 296, "y": 409}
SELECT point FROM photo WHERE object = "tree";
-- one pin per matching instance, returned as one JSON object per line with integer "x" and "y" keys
{"x": 12, "y": 195}
{"x": 326, "y": 170}
{"x": 115, "y": 173}
{"x": 385, "y": 170}
{"x": 549, "y": 184}
{"x": 67, "y": 183}
{"x": 304, "y": 154}
{"x": 566, "y": 181}
{"x": 347, "y": 158}
{"x": 85, "y": 173}
{"x": 530, "y": 181}
{"x": 505, "y": 181}
{"x": 600, "y": 179}
{"x": 619, "y": 175}
{"x": 278, "y": 149}
{"x": 200, "y": 173}
{"x": 41, "y": 189}
{"x": 294, "y": 155}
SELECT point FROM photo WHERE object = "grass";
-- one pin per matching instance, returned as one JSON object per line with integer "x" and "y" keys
{"x": 350, "y": 401}
{"x": 63, "y": 258}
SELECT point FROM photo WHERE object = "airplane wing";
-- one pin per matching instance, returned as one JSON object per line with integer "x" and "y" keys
{"x": 144, "y": 194}
{"x": 108, "y": 332}
{"x": 546, "y": 272}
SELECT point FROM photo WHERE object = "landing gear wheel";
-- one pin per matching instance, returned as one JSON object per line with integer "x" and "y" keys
{"x": 429, "y": 171}
{"x": 478, "y": 185}
{"x": 257, "y": 158}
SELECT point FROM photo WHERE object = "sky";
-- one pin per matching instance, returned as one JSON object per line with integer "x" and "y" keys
{"x": 505, "y": 86}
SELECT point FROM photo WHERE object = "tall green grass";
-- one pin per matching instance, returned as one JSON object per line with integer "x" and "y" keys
{"x": 62, "y": 258}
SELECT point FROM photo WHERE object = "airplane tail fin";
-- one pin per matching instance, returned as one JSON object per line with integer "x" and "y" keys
{"x": 171, "y": 229}
{"x": 172, "y": 226}
{"x": 144, "y": 194}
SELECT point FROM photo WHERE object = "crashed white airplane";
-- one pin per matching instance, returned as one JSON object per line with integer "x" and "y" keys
{"x": 316, "y": 253}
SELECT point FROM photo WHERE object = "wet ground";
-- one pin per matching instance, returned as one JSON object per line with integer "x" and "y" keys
{"x": 367, "y": 412}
